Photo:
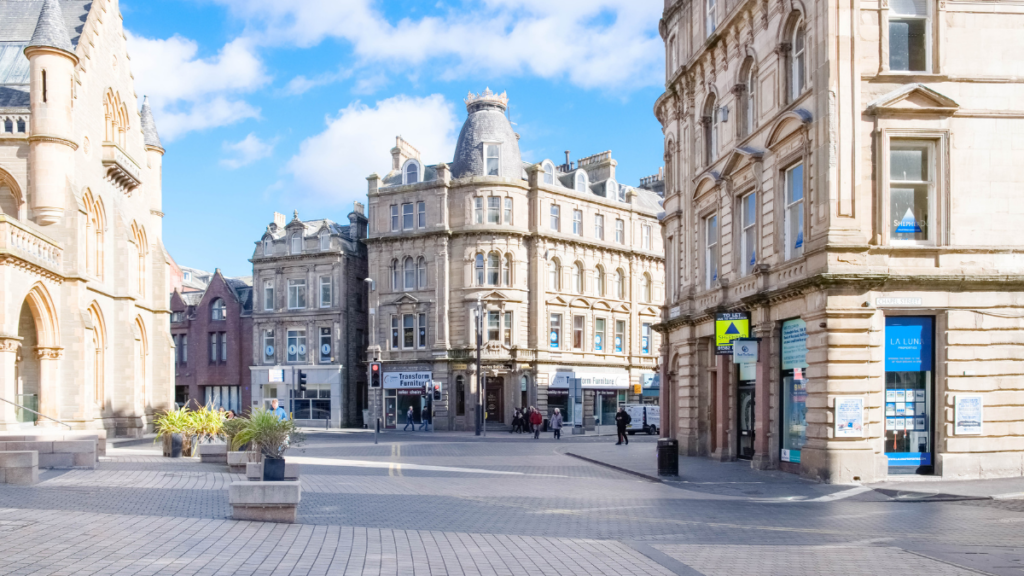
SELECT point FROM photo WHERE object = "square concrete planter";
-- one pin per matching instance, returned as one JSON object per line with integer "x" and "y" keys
{"x": 237, "y": 461}
{"x": 213, "y": 453}
{"x": 265, "y": 501}
{"x": 21, "y": 467}
{"x": 254, "y": 471}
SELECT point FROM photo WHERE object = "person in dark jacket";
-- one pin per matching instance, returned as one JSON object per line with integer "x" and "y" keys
{"x": 622, "y": 419}
{"x": 535, "y": 421}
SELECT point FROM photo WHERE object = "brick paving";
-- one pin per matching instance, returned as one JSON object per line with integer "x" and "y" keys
{"x": 448, "y": 504}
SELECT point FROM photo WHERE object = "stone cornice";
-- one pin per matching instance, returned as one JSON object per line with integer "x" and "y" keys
{"x": 54, "y": 139}
{"x": 14, "y": 260}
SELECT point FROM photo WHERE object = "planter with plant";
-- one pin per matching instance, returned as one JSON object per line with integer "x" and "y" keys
{"x": 269, "y": 437}
{"x": 173, "y": 428}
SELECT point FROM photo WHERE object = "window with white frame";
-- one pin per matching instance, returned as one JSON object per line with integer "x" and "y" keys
{"x": 326, "y": 345}
{"x": 549, "y": 173}
{"x": 620, "y": 336}
{"x": 793, "y": 218}
{"x": 493, "y": 210}
{"x": 599, "y": 327}
{"x": 710, "y": 129}
{"x": 508, "y": 211}
{"x": 493, "y": 325}
{"x": 325, "y": 241}
{"x": 620, "y": 231}
{"x": 577, "y": 222}
{"x": 407, "y": 217}
{"x": 412, "y": 172}
{"x": 710, "y": 251}
{"x": 394, "y": 217}
{"x": 578, "y": 323}
{"x": 748, "y": 233}
{"x": 912, "y": 202}
{"x": 556, "y": 218}
{"x": 268, "y": 295}
{"x": 554, "y": 275}
{"x": 620, "y": 284}
{"x": 493, "y": 268}
{"x": 268, "y": 347}
{"x": 479, "y": 266}
{"x": 492, "y": 158}
{"x": 421, "y": 214}
{"x": 296, "y": 243}
{"x": 218, "y": 311}
{"x": 421, "y": 334}
{"x": 909, "y": 36}
{"x": 478, "y": 210}
{"x": 506, "y": 271}
{"x": 622, "y": 193}
{"x": 647, "y": 288}
{"x": 599, "y": 277}
{"x": 421, "y": 272}
{"x": 750, "y": 122}
{"x": 599, "y": 226}
{"x": 325, "y": 291}
{"x": 394, "y": 332}
{"x": 581, "y": 181}
{"x": 710, "y": 16}
{"x": 507, "y": 330}
{"x": 645, "y": 338}
{"x": 408, "y": 331}
{"x": 645, "y": 235}
{"x": 296, "y": 294}
{"x": 577, "y": 278}
{"x": 296, "y": 346}
{"x": 555, "y": 332}
{"x": 409, "y": 272}
{"x": 798, "y": 61}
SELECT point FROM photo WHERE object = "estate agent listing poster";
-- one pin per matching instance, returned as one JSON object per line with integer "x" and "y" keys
{"x": 850, "y": 417}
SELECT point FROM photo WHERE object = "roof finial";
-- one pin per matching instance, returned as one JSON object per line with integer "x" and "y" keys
{"x": 51, "y": 31}
{"x": 150, "y": 136}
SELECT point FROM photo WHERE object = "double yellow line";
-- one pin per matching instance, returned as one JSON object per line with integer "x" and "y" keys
{"x": 395, "y": 469}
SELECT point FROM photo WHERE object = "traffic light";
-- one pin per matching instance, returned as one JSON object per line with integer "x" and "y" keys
{"x": 302, "y": 382}
{"x": 374, "y": 374}
{"x": 437, "y": 391}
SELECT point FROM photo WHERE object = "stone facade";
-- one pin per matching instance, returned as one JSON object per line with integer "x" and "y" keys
{"x": 309, "y": 315}
{"x": 527, "y": 243}
{"x": 845, "y": 175}
{"x": 83, "y": 272}
{"x": 212, "y": 334}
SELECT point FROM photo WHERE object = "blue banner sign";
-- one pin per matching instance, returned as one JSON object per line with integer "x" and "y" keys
{"x": 910, "y": 458}
{"x": 908, "y": 344}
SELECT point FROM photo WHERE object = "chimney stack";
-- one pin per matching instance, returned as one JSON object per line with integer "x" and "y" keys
{"x": 279, "y": 219}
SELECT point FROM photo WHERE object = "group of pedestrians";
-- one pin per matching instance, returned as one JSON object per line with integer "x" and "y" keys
{"x": 410, "y": 419}
{"x": 531, "y": 420}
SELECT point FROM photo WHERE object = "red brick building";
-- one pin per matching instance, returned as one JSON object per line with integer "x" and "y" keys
{"x": 212, "y": 334}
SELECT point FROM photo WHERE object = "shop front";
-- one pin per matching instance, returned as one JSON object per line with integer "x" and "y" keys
{"x": 909, "y": 393}
{"x": 793, "y": 393}
{"x": 404, "y": 390}
{"x": 602, "y": 394}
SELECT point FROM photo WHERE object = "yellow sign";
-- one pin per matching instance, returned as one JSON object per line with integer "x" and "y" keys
{"x": 459, "y": 366}
{"x": 636, "y": 389}
{"x": 728, "y": 327}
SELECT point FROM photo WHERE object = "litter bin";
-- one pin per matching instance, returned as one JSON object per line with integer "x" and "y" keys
{"x": 668, "y": 457}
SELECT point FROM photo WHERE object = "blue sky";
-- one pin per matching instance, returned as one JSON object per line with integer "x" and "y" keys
{"x": 268, "y": 106}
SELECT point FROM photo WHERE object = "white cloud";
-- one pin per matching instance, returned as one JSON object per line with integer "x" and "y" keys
{"x": 334, "y": 164}
{"x": 301, "y": 84}
{"x": 247, "y": 151}
{"x": 190, "y": 93}
{"x": 607, "y": 44}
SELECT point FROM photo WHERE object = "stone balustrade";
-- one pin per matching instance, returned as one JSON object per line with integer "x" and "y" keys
{"x": 35, "y": 248}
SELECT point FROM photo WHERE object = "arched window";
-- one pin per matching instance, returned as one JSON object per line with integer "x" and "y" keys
{"x": 577, "y": 278}
{"x": 143, "y": 255}
{"x": 506, "y": 271}
{"x": 600, "y": 280}
{"x": 751, "y": 98}
{"x": 581, "y": 181}
{"x": 410, "y": 273}
{"x": 94, "y": 235}
{"x": 421, "y": 272}
{"x": 296, "y": 243}
{"x": 710, "y": 130}
{"x": 646, "y": 287}
{"x": 479, "y": 269}
{"x": 620, "y": 284}
{"x": 325, "y": 241}
{"x": 396, "y": 276}
{"x": 798, "y": 72}
{"x": 95, "y": 355}
{"x": 549, "y": 172}
{"x": 554, "y": 275}
{"x": 493, "y": 272}
{"x": 218, "y": 311}
{"x": 411, "y": 173}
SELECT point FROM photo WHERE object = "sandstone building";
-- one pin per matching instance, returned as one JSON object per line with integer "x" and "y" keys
{"x": 849, "y": 176}
{"x": 83, "y": 272}
{"x": 309, "y": 315}
{"x": 564, "y": 261}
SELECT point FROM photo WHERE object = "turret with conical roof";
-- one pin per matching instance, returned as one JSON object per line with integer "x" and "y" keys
{"x": 150, "y": 137}
{"x": 487, "y": 124}
{"x": 51, "y": 31}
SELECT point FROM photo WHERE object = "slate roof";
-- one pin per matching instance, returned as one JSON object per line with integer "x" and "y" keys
{"x": 486, "y": 123}
{"x": 18, "y": 19}
{"x": 50, "y": 28}
{"x": 149, "y": 134}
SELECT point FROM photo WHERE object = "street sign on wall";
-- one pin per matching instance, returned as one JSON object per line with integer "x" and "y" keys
{"x": 728, "y": 327}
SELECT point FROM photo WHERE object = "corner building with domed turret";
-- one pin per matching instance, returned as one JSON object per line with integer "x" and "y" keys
{"x": 564, "y": 263}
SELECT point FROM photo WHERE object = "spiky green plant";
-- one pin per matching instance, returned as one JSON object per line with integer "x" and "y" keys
{"x": 267, "y": 434}
{"x": 175, "y": 421}
{"x": 232, "y": 427}
{"x": 207, "y": 424}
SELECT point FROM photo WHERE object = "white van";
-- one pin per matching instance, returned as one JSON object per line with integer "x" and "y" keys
{"x": 644, "y": 418}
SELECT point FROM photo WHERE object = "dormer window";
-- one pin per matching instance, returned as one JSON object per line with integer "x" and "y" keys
{"x": 296, "y": 243}
{"x": 622, "y": 193}
{"x": 268, "y": 246}
{"x": 549, "y": 172}
{"x": 581, "y": 181}
{"x": 492, "y": 159}
{"x": 411, "y": 173}
{"x": 325, "y": 241}
{"x": 611, "y": 189}
{"x": 186, "y": 276}
{"x": 218, "y": 310}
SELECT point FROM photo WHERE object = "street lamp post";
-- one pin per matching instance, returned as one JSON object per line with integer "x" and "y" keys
{"x": 479, "y": 374}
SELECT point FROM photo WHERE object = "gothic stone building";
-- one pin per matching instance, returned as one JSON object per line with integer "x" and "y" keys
{"x": 846, "y": 174}
{"x": 83, "y": 273}
{"x": 309, "y": 316}
{"x": 565, "y": 262}
{"x": 212, "y": 333}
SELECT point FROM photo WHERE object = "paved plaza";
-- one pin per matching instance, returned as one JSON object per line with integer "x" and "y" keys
{"x": 455, "y": 504}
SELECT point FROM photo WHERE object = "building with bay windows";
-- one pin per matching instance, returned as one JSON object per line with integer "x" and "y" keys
{"x": 844, "y": 176}
{"x": 563, "y": 262}
{"x": 309, "y": 318}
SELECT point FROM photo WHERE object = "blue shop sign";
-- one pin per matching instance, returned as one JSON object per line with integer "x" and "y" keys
{"x": 908, "y": 344}
{"x": 910, "y": 458}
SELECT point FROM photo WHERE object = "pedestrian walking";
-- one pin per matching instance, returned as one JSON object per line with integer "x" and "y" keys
{"x": 517, "y": 422}
{"x": 622, "y": 419}
{"x": 556, "y": 424}
{"x": 535, "y": 421}
{"x": 425, "y": 419}
{"x": 277, "y": 410}
{"x": 409, "y": 421}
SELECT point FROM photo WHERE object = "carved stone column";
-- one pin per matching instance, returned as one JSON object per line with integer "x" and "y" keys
{"x": 49, "y": 363}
